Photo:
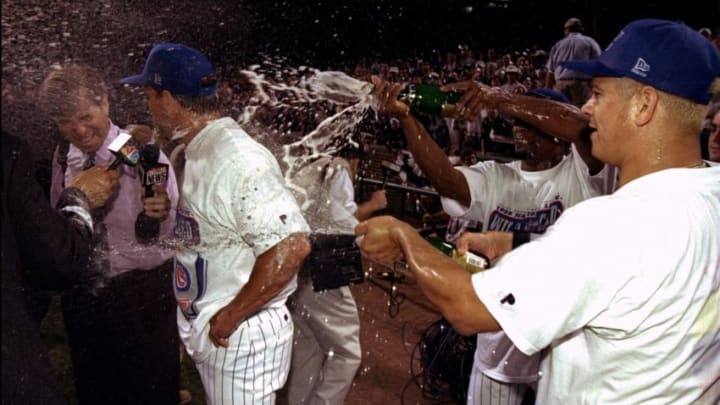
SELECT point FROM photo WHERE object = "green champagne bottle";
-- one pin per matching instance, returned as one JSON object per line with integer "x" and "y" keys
{"x": 471, "y": 262}
{"x": 429, "y": 99}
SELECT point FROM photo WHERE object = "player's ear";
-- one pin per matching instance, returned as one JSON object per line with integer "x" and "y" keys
{"x": 643, "y": 105}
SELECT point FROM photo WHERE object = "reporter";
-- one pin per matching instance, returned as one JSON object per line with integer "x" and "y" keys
{"x": 122, "y": 336}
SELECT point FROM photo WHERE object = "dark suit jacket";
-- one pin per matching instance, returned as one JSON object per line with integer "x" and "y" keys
{"x": 42, "y": 248}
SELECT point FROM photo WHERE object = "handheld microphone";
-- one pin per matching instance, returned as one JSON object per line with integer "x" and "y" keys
{"x": 152, "y": 172}
{"x": 387, "y": 169}
{"x": 125, "y": 150}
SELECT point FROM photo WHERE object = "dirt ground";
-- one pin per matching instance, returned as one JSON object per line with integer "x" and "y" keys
{"x": 392, "y": 323}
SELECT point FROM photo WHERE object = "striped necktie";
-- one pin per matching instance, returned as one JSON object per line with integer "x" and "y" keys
{"x": 89, "y": 161}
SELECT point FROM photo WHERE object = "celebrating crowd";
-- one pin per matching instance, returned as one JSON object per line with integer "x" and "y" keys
{"x": 603, "y": 231}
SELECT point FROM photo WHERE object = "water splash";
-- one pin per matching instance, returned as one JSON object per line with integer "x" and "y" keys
{"x": 317, "y": 112}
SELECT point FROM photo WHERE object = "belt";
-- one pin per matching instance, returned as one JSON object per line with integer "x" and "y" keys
{"x": 574, "y": 79}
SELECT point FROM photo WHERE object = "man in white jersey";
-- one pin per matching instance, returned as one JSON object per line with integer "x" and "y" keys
{"x": 622, "y": 289}
{"x": 244, "y": 237}
{"x": 327, "y": 353}
{"x": 521, "y": 196}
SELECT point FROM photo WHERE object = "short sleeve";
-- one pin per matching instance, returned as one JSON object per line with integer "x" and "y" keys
{"x": 264, "y": 210}
{"x": 555, "y": 285}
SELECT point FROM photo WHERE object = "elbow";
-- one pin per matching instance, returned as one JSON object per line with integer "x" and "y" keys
{"x": 460, "y": 324}
{"x": 303, "y": 248}
{"x": 470, "y": 317}
{"x": 300, "y": 249}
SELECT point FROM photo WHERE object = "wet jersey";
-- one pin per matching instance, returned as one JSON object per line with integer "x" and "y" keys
{"x": 629, "y": 292}
{"x": 234, "y": 206}
{"x": 506, "y": 198}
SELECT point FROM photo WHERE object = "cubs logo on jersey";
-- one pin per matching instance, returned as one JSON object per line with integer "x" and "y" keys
{"x": 189, "y": 281}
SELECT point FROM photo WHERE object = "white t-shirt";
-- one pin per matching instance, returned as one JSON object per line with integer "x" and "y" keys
{"x": 234, "y": 206}
{"x": 624, "y": 289}
{"x": 325, "y": 192}
{"x": 507, "y": 198}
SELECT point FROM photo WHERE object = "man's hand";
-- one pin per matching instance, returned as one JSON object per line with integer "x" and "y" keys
{"x": 476, "y": 97}
{"x": 379, "y": 241}
{"x": 491, "y": 244}
{"x": 386, "y": 98}
{"x": 222, "y": 325}
{"x": 157, "y": 206}
{"x": 378, "y": 200}
{"x": 97, "y": 183}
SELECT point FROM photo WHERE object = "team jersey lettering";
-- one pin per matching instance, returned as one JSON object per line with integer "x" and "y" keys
{"x": 536, "y": 221}
{"x": 186, "y": 227}
{"x": 190, "y": 283}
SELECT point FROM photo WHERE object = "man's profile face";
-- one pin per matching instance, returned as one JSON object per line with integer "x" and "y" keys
{"x": 533, "y": 145}
{"x": 714, "y": 139}
{"x": 86, "y": 124}
{"x": 158, "y": 106}
{"x": 608, "y": 112}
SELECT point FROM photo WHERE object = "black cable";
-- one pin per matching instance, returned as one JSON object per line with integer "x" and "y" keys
{"x": 395, "y": 298}
{"x": 445, "y": 361}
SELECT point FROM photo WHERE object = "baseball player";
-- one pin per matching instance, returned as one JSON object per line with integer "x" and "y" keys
{"x": 326, "y": 353}
{"x": 622, "y": 291}
{"x": 243, "y": 235}
{"x": 527, "y": 195}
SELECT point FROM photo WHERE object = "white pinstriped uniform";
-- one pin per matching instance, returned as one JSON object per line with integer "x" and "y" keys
{"x": 255, "y": 364}
{"x": 234, "y": 207}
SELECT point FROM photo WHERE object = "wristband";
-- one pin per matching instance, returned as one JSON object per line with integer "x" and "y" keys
{"x": 520, "y": 238}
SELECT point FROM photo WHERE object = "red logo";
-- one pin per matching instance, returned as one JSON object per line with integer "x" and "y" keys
{"x": 184, "y": 304}
{"x": 180, "y": 277}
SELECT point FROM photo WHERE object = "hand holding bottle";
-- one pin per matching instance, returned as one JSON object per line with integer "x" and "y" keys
{"x": 380, "y": 238}
{"x": 386, "y": 97}
{"x": 476, "y": 96}
{"x": 468, "y": 260}
{"x": 492, "y": 244}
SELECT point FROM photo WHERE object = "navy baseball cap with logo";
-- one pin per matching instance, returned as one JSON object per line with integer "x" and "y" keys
{"x": 177, "y": 68}
{"x": 667, "y": 55}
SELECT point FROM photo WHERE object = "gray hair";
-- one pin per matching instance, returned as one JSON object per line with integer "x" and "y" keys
{"x": 66, "y": 85}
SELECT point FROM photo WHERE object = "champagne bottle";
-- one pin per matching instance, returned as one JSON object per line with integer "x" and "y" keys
{"x": 471, "y": 262}
{"x": 429, "y": 99}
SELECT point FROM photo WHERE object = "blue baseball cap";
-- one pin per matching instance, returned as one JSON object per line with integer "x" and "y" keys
{"x": 667, "y": 55}
{"x": 549, "y": 94}
{"x": 177, "y": 68}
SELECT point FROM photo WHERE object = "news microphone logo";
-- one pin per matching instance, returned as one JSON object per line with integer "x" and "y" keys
{"x": 152, "y": 172}
{"x": 125, "y": 151}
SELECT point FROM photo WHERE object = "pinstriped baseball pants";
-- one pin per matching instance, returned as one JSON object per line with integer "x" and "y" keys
{"x": 255, "y": 364}
{"x": 483, "y": 390}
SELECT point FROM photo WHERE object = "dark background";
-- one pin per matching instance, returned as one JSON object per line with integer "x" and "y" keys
{"x": 320, "y": 33}
{"x": 115, "y": 36}
{"x": 327, "y": 30}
